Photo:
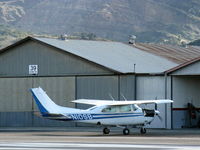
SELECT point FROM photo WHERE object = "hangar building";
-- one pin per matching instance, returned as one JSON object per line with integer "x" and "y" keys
{"x": 74, "y": 69}
{"x": 183, "y": 81}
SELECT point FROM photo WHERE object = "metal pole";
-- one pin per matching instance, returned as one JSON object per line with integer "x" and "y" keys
{"x": 135, "y": 84}
{"x": 165, "y": 98}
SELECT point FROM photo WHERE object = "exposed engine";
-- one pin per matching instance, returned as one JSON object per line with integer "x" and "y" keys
{"x": 149, "y": 113}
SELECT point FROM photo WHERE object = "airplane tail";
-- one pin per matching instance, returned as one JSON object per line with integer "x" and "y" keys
{"x": 44, "y": 103}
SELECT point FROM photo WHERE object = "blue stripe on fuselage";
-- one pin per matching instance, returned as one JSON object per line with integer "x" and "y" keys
{"x": 116, "y": 116}
{"x": 101, "y": 116}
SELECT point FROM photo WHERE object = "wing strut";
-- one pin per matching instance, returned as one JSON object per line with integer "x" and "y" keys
{"x": 111, "y": 97}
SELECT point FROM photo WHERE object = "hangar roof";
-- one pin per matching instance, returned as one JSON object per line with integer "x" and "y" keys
{"x": 113, "y": 55}
{"x": 173, "y": 53}
{"x": 184, "y": 56}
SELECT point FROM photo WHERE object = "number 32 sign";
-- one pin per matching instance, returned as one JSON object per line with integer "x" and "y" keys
{"x": 33, "y": 69}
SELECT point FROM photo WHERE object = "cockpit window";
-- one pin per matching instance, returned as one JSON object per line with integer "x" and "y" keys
{"x": 120, "y": 108}
{"x": 110, "y": 109}
{"x": 125, "y": 108}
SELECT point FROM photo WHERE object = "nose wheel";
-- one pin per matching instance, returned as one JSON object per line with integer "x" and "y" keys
{"x": 126, "y": 131}
{"x": 106, "y": 131}
{"x": 143, "y": 131}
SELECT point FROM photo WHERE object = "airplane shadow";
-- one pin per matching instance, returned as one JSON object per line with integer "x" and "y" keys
{"x": 151, "y": 133}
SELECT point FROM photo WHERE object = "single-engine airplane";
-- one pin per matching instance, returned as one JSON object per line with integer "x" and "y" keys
{"x": 107, "y": 113}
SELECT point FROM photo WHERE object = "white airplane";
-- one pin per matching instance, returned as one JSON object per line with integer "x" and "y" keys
{"x": 106, "y": 113}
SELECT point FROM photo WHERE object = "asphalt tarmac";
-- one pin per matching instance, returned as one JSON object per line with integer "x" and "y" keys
{"x": 92, "y": 138}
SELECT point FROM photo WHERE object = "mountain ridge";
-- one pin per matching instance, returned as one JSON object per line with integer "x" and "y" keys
{"x": 159, "y": 21}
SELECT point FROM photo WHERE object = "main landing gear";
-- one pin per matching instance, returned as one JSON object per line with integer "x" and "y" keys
{"x": 106, "y": 131}
{"x": 143, "y": 130}
{"x": 126, "y": 131}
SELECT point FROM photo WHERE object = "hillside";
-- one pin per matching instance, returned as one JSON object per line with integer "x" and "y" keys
{"x": 9, "y": 35}
{"x": 158, "y": 21}
{"x": 195, "y": 43}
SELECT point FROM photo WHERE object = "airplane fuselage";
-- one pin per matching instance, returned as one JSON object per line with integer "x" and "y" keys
{"x": 96, "y": 116}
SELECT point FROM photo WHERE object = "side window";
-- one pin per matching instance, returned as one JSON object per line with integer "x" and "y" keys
{"x": 110, "y": 109}
{"x": 125, "y": 108}
{"x": 113, "y": 109}
{"x": 106, "y": 109}
{"x": 120, "y": 108}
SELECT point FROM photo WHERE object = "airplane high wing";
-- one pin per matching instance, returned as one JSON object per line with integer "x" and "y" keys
{"x": 109, "y": 102}
{"x": 104, "y": 113}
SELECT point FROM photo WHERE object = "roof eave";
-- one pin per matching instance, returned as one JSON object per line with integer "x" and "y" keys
{"x": 182, "y": 65}
{"x": 16, "y": 43}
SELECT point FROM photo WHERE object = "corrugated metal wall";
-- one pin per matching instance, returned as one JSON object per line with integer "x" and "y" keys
{"x": 101, "y": 87}
{"x": 17, "y": 106}
{"x": 14, "y": 94}
{"x": 153, "y": 87}
{"x": 150, "y": 87}
{"x": 64, "y": 89}
{"x": 61, "y": 90}
{"x": 50, "y": 61}
{"x": 127, "y": 87}
{"x": 97, "y": 87}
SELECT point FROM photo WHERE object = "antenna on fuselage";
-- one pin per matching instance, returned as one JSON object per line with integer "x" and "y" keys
{"x": 111, "y": 97}
{"x": 123, "y": 96}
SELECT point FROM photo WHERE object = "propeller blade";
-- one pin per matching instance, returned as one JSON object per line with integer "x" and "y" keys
{"x": 160, "y": 118}
{"x": 158, "y": 114}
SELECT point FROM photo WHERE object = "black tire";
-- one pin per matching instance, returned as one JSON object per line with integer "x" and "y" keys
{"x": 106, "y": 131}
{"x": 143, "y": 131}
{"x": 126, "y": 131}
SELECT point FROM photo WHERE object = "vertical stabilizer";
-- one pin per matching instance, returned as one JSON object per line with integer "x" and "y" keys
{"x": 44, "y": 103}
